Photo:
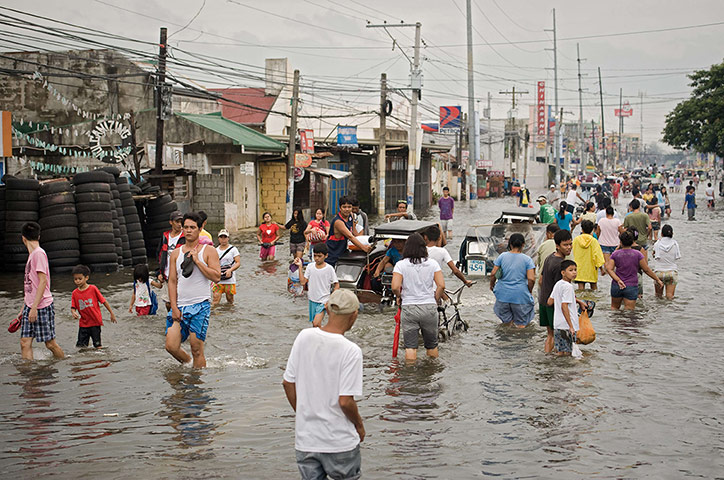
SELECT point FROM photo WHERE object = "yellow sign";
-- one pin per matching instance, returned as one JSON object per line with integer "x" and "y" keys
{"x": 6, "y": 139}
{"x": 302, "y": 159}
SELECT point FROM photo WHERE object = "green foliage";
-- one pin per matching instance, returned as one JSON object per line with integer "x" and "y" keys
{"x": 698, "y": 123}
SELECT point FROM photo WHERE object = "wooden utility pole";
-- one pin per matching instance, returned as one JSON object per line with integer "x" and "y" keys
{"x": 160, "y": 85}
{"x": 603, "y": 122}
{"x": 382, "y": 152}
{"x": 471, "y": 167}
{"x": 292, "y": 145}
{"x": 581, "y": 149}
{"x": 136, "y": 159}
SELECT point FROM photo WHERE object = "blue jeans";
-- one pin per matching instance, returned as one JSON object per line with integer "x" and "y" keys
{"x": 340, "y": 465}
{"x": 631, "y": 292}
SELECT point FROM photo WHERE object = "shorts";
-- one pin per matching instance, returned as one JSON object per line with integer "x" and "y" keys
{"x": 194, "y": 318}
{"x": 655, "y": 226}
{"x": 315, "y": 308}
{"x": 562, "y": 340}
{"x": 546, "y": 315}
{"x": 415, "y": 318}
{"x": 520, "y": 314}
{"x": 296, "y": 247}
{"x": 315, "y": 465}
{"x": 631, "y": 292}
{"x": 224, "y": 288}
{"x": 267, "y": 252}
{"x": 446, "y": 225}
{"x": 86, "y": 333}
{"x": 608, "y": 250}
{"x": 669, "y": 278}
{"x": 143, "y": 311}
{"x": 43, "y": 329}
{"x": 691, "y": 213}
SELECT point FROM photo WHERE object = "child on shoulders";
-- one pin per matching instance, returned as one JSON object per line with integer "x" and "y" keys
{"x": 86, "y": 301}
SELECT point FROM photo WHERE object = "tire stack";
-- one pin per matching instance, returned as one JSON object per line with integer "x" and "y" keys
{"x": 93, "y": 202}
{"x": 59, "y": 225}
{"x": 137, "y": 248}
{"x": 21, "y": 206}
{"x": 2, "y": 223}
{"x": 158, "y": 212}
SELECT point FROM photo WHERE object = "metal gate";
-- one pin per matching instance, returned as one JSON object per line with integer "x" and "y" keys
{"x": 395, "y": 180}
{"x": 337, "y": 189}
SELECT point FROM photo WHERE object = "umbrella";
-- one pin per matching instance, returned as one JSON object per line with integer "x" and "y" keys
{"x": 396, "y": 341}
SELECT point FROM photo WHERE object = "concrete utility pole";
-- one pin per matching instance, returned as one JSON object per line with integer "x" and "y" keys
{"x": 593, "y": 141}
{"x": 382, "y": 152}
{"x": 620, "y": 125}
{"x": 472, "y": 147}
{"x": 160, "y": 84}
{"x": 556, "y": 141}
{"x": 490, "y": 132}
{"x": 603, "y": 122}
{"x": 581, "y": 148}
{"x": 292, "y": 145}
{"x": 512, "y": 133}
{"x": 641, "y": 137}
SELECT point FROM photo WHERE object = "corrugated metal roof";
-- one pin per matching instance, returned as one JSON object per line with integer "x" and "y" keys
{"x": 252, "y": 140}
{"x": 259, "y": 104}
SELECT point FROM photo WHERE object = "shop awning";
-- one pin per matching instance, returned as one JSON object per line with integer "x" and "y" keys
{"x": 249, "y": 139}
{"x": 328, "y": 172}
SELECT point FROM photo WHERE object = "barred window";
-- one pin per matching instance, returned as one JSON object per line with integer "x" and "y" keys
{"x": 228, "y": 175}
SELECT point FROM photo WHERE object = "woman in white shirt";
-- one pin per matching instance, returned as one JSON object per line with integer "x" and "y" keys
{"x": 418, "y": 283}
{"x": 666, "y": 253}
{"x": 230, "y": 261}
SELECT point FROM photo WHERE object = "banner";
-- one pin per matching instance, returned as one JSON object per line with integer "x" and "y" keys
{"x": 626, "y": 111}
{"x": 306, "y": 140}
{"x": 302, "y": 160}
{"x": 347, "y": 136}
{"x": 6, "y": 140}
{"x": 541, "y": 109}
{"x": 451, "y": 119}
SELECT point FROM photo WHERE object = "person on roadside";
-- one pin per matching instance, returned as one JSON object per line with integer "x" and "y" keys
{"x": 37, "y": 317}
{"x": 514, "y": 303}
{"x": 690, "y": 203}
{"x": 401, "y": 212}
{"x": 432, "y": 237}
{"x": 546, "y": 213}
{"x": 665, "y": 253}
{"x": 553, "y": 196}
{"x": 296, "y": 226}
{"x": 640, "y": 221}
{"x": 321, "y": 380}
{"x": 170, "y": 240}
{"x": 608, "y": 230}
{"x": 341, "y": 229}
{"x": 418, "y": 285}
{"x": 588, "y": 257}
{"x": 564, "y": 218}
{"x": 523, "y": 197}
{"x": 623, "y": 267}
{"x": 446, "y": 204}
{"x": 361, "y": 222}
{"x": 194, "y": 267}
{"x": 229, "y": 263}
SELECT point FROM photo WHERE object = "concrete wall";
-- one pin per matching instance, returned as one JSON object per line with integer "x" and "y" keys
{"x": 273, "y": 190}
{"x": 209, "y": 197}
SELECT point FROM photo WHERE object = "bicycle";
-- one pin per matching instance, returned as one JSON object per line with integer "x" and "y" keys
{"x": 448, "y": 326}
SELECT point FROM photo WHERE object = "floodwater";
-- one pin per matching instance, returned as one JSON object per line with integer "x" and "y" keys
{"x": 646, "y": 401}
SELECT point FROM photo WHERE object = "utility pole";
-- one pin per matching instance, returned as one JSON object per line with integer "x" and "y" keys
{"x": 292, "y": 145}
{"x": 581, "y": 148}
{"x": 490, "y": 132}
{"x": 556, "y": 141}
{"x": 160, "y": 84}
{"x": 472, "y": 147}
{"x": 416, "y": 87}
{"x": 593, "y": 141}
{"x": 603, "y": 122}
{"x": 525, "y": 158}
{"x": 512, "y": 133}
{"x": 382, "y": 152}
{"x": 620, "y": 125}
{"x": 641, "y": 137}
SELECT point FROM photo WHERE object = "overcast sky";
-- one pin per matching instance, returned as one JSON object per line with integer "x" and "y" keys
{"x": 328, "y": 42}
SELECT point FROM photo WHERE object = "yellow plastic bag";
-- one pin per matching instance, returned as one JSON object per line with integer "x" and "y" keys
{"x": 586, "y": 334}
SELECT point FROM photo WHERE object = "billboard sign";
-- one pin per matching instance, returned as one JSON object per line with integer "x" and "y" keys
{"x": 451, "y": 119}
{"x": 626, "y": 111}
{"x": 541, "y": 109}
{"x": 306, "y": 140}
{"x": 302, "y": 160}
{"x": 347, "y": 136}
{"x": 6, "y": 139}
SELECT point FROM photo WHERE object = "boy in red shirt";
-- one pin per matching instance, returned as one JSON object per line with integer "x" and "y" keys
{"x": 86, "y": 304}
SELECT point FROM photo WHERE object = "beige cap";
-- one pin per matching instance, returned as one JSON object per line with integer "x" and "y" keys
{"x": 343, "y": 302}
{"x": 223, "y": 232}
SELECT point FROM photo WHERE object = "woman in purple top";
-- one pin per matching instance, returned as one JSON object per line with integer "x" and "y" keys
{"x": 623, "y": 266}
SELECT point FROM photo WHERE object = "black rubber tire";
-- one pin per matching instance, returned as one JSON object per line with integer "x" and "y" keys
{"x": 59, "y": 233}
{"x": 15, "y": 267}
{"x": 24, "y": 206}
{"x": 137, "y": 235}
{"x": 133, "y": 218}
{"x": 55, "y": 187}
{"x": 15, "y": 248}
{"x": 22, "y": 183}
{"x": 63, "y": 209}
{"x": 135, "y": 229}
{"x": 112, "y": 170}
{"x": 161, "y": 200}
{"x": 97, "y": 248}
{"x": 14, "y": 226}
{"x": 92, "y": 197}
{"x": 139, "y": 259}
{"x": 158, "y": 227}
{"x": 117, "y": 242}
{"x": 93, "y": 188}
{"x": 64, "y": 263}
{"x": 93, "y": 177}
{"x": 56, "y": 199}
{"x": 21, "y": 216}
{"x": 62, "y": 269}
{"x": 58, "y": 245}
{"x": 137, "y": 252}
{"x": 99, "y": 257}
{"x": 94, "y": 217}
{"x": 158, "y": 220}
{"x": 104, "y": 267}
{"x": 56, "y": 254}
{"x": 137, "y": 246}
{"x": 21, "y": 196}
{"x": 127, "y": 262}
{"x": 16, "y": 257}
{"x": 90, "y": 238}
{"x": 55, "y": 221}
{"x": 164, "y": 209}
{"x": 123, "y": 187}
{"x": 95, "y": 227}
{"x": 100, "y": 207}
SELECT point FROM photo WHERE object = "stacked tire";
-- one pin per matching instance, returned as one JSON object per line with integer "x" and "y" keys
{"x": 59, "y": 225}
{"x": 158, "y": 212}
{"x": 96, "y": 234}
{"x": 134, "y": 232}
{"x": 21, "y": 206}
{"x": 2, "y": 223}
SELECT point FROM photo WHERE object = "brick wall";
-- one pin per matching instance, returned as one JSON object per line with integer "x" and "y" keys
{"x": 209, "y": 197}
{"x": 273, "y": 190}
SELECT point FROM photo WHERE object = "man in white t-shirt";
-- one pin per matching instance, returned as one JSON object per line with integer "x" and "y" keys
{"x": 709, "y": 192}
{"x": 440, "y": 254}
{"x": 230, "y": 261}
{"x": 323, "y": 375}
{"x": 572, "y": 197}
{"x": 321, "y": 278}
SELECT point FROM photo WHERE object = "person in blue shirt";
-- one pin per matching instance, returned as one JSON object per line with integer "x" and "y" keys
{"x": 564, "y": 218}
{"x": 690, "y": 202}
{"x": 513, "y": 299}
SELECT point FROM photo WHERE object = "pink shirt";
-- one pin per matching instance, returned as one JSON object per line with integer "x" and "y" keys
{"x": 609, "y": 231}
{"x": 37, "y": 263}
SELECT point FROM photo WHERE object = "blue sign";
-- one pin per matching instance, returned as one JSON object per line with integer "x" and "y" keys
{"x": 576, "y": 160}
{"x": 347, "y": 136}
{"x": 451, "y": 119}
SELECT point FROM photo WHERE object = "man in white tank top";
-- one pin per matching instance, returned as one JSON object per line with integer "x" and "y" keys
{"x": 192, "y": 269}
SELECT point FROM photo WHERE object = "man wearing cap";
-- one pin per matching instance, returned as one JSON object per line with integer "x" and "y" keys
{"x": 323, "y": 375}
{"x": 169, "y": 241}
{"x": 230, "y": 261}
{"x": 547, "y": 213}
{"x": 554, "y": 196}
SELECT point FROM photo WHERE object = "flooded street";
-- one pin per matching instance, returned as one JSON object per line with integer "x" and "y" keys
{"x": 646, "y": 401}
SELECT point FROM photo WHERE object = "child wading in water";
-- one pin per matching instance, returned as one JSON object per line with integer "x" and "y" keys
{"x": 142, "y": 293}
{"x": 86, "y": 301}
{"x": 565, "y": 314}
{"x": 267, "y": 236}
{"x": 321, "y": 278}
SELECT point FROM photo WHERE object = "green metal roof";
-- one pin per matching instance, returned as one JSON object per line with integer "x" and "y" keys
{"x": 250, "y": 139}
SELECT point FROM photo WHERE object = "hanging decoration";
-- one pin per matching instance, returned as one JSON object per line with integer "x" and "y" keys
{"x": 114, "y": 156}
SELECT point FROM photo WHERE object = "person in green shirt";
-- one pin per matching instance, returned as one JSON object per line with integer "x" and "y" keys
{"x": 640, "y": 221}
{"x": 547, "y": 213}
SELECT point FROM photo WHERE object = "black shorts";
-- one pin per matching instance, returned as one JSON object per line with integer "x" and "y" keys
{"x": 86, "y": 333}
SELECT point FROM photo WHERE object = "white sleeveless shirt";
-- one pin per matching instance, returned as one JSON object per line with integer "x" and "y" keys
{"x": 196, "y": 288}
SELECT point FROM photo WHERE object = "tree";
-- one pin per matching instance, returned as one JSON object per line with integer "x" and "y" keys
{"x": 698, "y": 123}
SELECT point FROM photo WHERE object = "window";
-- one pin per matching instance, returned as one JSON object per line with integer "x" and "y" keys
{"x": 227, "y": 173}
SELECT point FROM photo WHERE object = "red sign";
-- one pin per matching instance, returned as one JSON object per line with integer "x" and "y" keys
{"x": 626, "y": 111}
{"x": 302, "y": 160}
{"x": 306, "y": 141}
{"x": 541, "y": 109}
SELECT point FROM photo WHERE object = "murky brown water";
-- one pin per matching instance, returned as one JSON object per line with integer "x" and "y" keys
{"x": 645, "y": 402}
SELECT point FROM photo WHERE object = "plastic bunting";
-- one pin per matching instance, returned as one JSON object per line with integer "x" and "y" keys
{"x": 68, "y": 152}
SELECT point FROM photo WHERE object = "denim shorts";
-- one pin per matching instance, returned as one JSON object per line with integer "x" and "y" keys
{"x": 194, "y": 318}
{"x": 315, "y": 308}
{"x": 519, "y": 314}
{"x": 631, "y": 292}
{"x": 43, "y": 328}
{"x": 608, "y": 250}
{"x": 315, "y": 465}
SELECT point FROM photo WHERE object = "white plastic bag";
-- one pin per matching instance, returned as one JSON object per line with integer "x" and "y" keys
{"x": 575, "y": 351}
